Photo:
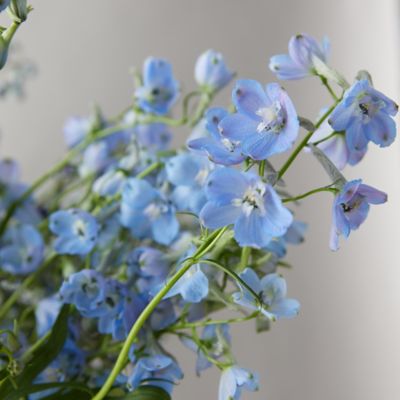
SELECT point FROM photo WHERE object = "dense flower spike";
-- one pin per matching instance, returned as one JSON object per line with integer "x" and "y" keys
{"x": 211, "y": 72}
{"x": 365, "y": 114}
{"x": 266, "y": 122}
{"x": 130, "y": 241}
{"x": 160, "y": 89}
{"x": 351, "y": 207}
{"x": 300, "y": 62}
{"x": 244, "y": 200}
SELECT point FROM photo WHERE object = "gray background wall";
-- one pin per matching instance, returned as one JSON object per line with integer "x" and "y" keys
{"x": 345, "y": 344}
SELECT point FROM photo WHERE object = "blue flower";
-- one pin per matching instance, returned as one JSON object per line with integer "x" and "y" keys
{"x": 218, "y": 148}
{"x": 160, "y": 89}
{"x": 147, "y": 213}
{"x": 193, "y": 286}
{"x": 157, "y": 370}
{"x": 266, "y": 122}
{"x": 148, "y": 267}
{"x": 9, "y": 172}
{"x": 189, "y": 173}
{"x": 211, "y": 72}
{"x": 351, "y": 207}
{"x": 272, "y": 292}
{"x": 96, "y": 158}
{"x": 336, "y": 147}
{"x": 365, "y": 115}
{"x": 86, "y": 290}
{"x": 75, "y": 130}
{"x": 233, "y": 380}
{"x": 244, "y": 200}
{"x": 153, "y": 136}
{"x": 110, "y": 183}
{"x": 21, "y": 249}
{"x": 76, "y": 231}
{"x": 299, "y": 63}
{"x": 46, "y": 314}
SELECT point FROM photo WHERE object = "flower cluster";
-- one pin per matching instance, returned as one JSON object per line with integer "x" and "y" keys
{"x": 133, "y": 241}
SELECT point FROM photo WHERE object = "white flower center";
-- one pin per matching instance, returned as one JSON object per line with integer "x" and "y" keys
{"x": 253, "y": 199}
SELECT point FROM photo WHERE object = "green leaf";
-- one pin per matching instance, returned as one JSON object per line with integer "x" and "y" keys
{"x": 40, "y": 359}
{"x": 144, "y": 393}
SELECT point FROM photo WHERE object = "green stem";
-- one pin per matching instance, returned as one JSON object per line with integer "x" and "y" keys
{"x": 261, "y": 169}
{"x": 328, "y": 87}
{"x": 244, "y": 258}
{"x": 303, "y": 143}
{"x": 311, "y": 192}
{"x": 333, "y": 134}
{"x": 123, "y": 355}
{"x": 149, "y": 170}
{"x": 214, "y": 322}
{"x": 24, "y": 285}
{"x": 9, "y": 33}
{"x": 204, "y": 102}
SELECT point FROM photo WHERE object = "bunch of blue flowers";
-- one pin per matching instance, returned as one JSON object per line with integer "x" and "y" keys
{"x": 131, "y": 241}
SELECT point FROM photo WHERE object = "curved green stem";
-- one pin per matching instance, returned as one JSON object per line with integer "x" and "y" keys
{"x": 5, "y": 307}
{"x": 123, "y": 355}
{"x": 214, "y": 322}
{"x": 311, "y": 192}
{"x": 304, "y": 142}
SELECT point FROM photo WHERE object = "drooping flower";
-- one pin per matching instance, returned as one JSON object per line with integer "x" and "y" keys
{"x": 244, "y": 200}
{"x": 211, "y": 72}
{"x": 189, "y": 173}
{"x": 266, "y": 122}
{"x": 218, "y": 148}
{"x": 299, "y": 63}
{"x": 335, "y": 146}
{"x": 21, "y": 249}
{"x": 160, "y": 89}
{"x": 351, "y": 207}
{"x": 272, "y": 292}
{"x": 159, "y": 370}
{"x": 76, "y": 231}
{"x": 365, "y": 114}
{"x": 147, "y": 213}
{"x": 233, "y": 380}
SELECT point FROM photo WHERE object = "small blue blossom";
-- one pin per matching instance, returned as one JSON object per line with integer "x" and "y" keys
{"x": 218, "y": 148}
{"x": 266, "y": 122}
{"x": 336, "y": 147}
{"x": 160, "y": 89}
{"x": 147, "y": 213}
{"x": 299, "y": 63}
{"x": 211, "y": 72}
{"x": 21, "y": 249}
{"x": 9, "y": 172}
{"x": 351, "y": 207}
{"x": 153, "y": 136}
{"x": 157, "y": 370}
{"x": 148, "y": 267}
{"x": 110, "y": 183}
{"x": 365, "y": 114}
{"x": 189, "y": 173}
{"x": 86, "y": 290}
{"x": 75, "y": 130}
{"x": 244, "y": 200}
{"x": 272, "y": 292}
{"x": 76, "y": 231}
{"x": 233, "y": 380}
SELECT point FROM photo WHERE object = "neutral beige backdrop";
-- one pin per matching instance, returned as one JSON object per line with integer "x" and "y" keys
{"x": 345, "y": 344}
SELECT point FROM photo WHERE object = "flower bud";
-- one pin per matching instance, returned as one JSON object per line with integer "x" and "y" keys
{"x": 19, "y": 9}
{"x": 211, "y": 71}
